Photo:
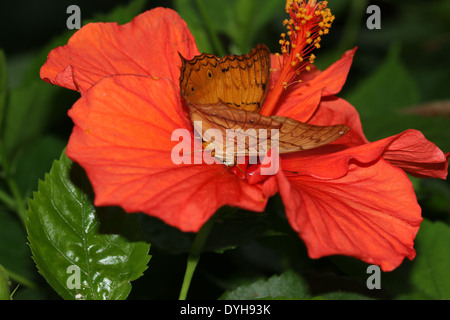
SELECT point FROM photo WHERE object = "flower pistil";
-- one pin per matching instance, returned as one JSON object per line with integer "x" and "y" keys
{"x": 309, "y": 21}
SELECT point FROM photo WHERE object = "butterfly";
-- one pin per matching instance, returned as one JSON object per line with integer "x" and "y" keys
{"x": 223, "y": 97}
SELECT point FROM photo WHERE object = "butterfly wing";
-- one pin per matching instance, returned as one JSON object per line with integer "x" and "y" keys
{"x": 223, "y": 96}
{"x": 296, "y": 136}
{"x": 231, "y": 133}
{"x": 238, "y": 81}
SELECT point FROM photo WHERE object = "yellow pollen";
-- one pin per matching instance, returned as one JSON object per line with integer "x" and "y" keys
{"x": 308, "y": 21}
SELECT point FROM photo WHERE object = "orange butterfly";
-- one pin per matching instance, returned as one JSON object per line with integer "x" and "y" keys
{"x": 224, "y": 95}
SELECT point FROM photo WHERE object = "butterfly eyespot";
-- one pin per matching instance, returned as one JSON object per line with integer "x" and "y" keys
{"x": 209, "y": 73}
{"x": 251, "y": 121}
{"x": 192, "y": 89}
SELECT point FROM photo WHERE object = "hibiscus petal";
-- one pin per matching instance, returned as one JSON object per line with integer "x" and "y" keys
{"x": 303, "y": 98}
{"x": 148, "y": 45}
{"x": 333, "y": 78}
{"x": 122, "y": 138}
{"x": 371, "y": 213}
{"x": 408, "y": 150}
{"x": 412, "y": 152}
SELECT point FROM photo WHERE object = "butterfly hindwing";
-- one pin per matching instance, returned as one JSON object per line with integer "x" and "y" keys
{"x": 245, "y": 133}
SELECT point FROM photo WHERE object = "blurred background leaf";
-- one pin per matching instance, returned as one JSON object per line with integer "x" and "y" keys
{"x": 228, "y": 27}
{"x": 4, "y": 284}
{"x": 3, "y": 85}
{"x": 382, "y": 97}
{"x": 428, "y": 275}
{"x": 288, "y": 285}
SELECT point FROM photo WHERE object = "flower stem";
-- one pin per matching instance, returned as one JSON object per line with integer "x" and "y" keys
{"x": 194, "y": 257}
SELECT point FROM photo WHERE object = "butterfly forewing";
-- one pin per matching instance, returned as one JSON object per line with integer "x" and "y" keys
{"x": 240, "y": 82}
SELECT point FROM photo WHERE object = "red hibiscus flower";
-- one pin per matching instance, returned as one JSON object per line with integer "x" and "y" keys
{"x": 350, "y": 197}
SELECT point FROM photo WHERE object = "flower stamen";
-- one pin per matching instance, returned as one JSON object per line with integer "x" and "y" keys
{"x": 309, "y": 21}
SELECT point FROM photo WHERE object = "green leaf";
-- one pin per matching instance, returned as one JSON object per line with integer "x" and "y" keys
{"x": 382, "y": 98}
{"x": 189, "y": 12}
{"x": 35, "y": 160}
{"x": 4, "y": 284}
{"x": 248, "y": 20}
{"x": 121, "y": 13}
{"x": 240, "y": 22}
{"x": 387, "y": 90}
{"x": 15, "y": 256}
{"x": 3, "y": 85}
{"x": 339, "y": 295}
{"x": 428, "y": 277}
{"x": 29, "y": 111}
{"x": 288, "y": 285}
{"x": 68, "y": 234}
{"x": 434, "y": 198}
